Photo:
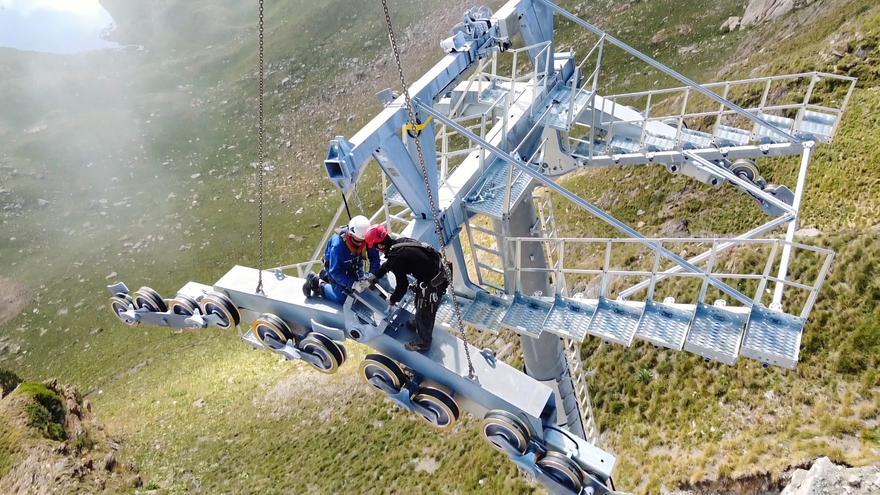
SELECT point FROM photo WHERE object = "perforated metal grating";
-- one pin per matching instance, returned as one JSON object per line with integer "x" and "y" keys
{"x": 485, "y": 312}
{"x": 664, "y": 325}
{"x": 773, "y": 337}
{"x": 393, "y": 196}
{"x": 570, "y": 318}
{"x": 489, "y": 197}
{"x": 616, "y": 321}
{"x": 446, "y": 313}
{"x": 526, "y": 315}
{"x": 558, "y": 116}
{"x": 716, "y": 333}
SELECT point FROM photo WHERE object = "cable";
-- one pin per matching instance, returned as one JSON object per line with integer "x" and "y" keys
{"x": 345, "y": 202}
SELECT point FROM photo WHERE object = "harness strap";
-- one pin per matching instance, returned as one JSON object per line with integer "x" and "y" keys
{"x": 438, "y": 279}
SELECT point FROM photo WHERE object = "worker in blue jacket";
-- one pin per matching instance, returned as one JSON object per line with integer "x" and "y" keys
{"x": 343, "y": 262}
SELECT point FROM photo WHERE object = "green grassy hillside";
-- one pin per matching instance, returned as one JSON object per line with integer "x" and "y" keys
{"x": 138, "y": 162}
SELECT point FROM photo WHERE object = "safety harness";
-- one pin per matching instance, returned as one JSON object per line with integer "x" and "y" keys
{"x": 440, "y": 279}
{"x": 325, "y": 273}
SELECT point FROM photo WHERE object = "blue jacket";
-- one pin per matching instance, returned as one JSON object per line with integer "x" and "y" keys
{"x": 343, "y": 266}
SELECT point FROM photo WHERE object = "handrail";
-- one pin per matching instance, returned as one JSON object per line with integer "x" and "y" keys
{"x": 738, "y": 82}
{"x": 654, "y": 276}
{"x": 580, "y": 202}
{"x": 707, "y": 113}
{"x": 672, "y": 240}
{"x": 663, "y": 68}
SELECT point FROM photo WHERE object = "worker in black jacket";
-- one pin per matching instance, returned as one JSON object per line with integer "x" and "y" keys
{"x": 407, "y": 257}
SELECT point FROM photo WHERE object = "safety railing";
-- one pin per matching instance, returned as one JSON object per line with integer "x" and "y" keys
{"x": 605, "y": 267}
{"x": 808, "y": 105}
{"x": 515, "y": 87}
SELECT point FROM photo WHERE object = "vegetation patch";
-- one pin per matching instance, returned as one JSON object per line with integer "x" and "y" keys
{"x": 46, "y": 412}
{"x": 860, "y": 350}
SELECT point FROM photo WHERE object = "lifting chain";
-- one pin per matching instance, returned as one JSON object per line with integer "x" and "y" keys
{"x": 260, "y": 160}
{"x": 438, "y": 228}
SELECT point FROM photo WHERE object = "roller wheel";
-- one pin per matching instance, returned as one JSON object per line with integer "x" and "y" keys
{"x": 337, "y": 349}
{"x": 147, "y": 298}
{"x": 120, "y": 303}
{"x": 383, "y": 368}
{"x": 563, "y": 470}
{"x": 441, "y": 403}
{"x": 183, "y": 305}
{"x": 506, "y": 432}
{"x": 340, "y": 352}
{"x": 329, "y": 354}
{"x": 272, "y": 326}
{"x": 745, "y": 169}
{"x": 218, "y": 304}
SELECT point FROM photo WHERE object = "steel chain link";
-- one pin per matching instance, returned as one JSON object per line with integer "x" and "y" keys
{"x": 438, "y": 228}
{"x": 260, "y": 160}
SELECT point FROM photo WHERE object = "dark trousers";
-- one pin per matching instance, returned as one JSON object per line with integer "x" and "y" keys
{"x": 427, "y": 302}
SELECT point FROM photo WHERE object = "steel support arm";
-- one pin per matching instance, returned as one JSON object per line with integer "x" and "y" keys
{"x": 347, "y": 159}
{"x": 381, "y": 138}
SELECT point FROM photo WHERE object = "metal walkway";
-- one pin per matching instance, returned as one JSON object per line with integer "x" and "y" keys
{"x": 713, "y": 329}
{"x": 717, "y": 333}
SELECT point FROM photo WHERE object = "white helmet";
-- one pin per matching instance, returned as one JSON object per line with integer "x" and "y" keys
{"x": 358, "y": 226}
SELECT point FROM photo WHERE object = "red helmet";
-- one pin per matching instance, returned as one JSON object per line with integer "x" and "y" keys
{"x": 377, "y": 234}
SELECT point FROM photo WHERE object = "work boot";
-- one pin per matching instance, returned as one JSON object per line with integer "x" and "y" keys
{"x": 312, "y": 285}
{"x": 417, "y": 346}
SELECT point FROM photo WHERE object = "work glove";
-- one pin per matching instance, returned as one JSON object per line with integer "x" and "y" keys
{"x": 364, "y": 283}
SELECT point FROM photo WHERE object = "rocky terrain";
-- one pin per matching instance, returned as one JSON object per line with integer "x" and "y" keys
{"x": 759, "y": 11}
{"x": 78, "y": 457}
{"x": 826, "y": 477}
{"x": 820, "y": 477}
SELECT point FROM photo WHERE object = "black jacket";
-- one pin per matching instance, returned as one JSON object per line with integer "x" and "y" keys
{"x": 423, "y": 264}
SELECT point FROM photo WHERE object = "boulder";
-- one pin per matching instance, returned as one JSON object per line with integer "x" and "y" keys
{"x": 659, "y": 37}
{"x": 675, "y": 228}
{"x": 759, "y": 11}
{"x": 110, "y": 461}
{"x": 732, "y": 23}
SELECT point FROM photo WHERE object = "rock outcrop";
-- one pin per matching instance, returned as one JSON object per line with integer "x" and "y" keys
{"x": 825, "y": 477}
{"x": 759, "y": 11}
{"x": 822, "y": 478}
{"x": 87, "y": 461}
{"x": 731, "y": 24}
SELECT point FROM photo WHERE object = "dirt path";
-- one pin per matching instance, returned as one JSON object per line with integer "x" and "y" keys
{"x": 14, "y": 297}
